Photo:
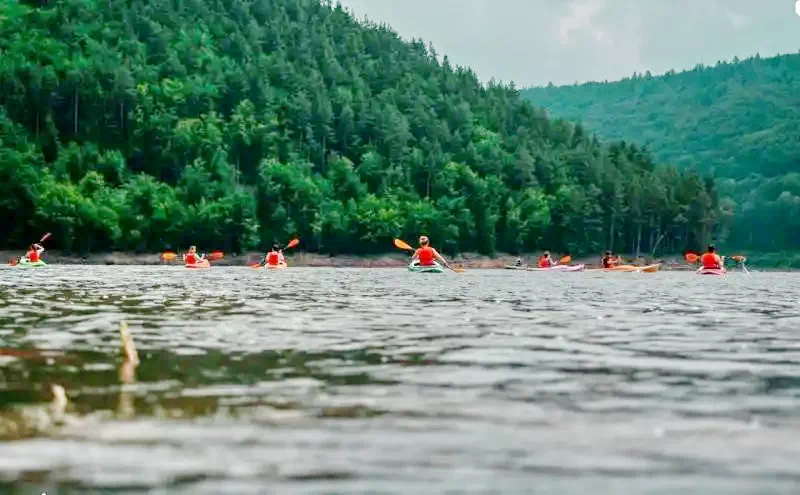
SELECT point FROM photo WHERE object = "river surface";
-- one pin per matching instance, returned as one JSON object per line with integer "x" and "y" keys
{"x": 383, "y": 381}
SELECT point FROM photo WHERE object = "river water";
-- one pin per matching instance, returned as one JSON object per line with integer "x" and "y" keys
{"x": 383, "y": 381}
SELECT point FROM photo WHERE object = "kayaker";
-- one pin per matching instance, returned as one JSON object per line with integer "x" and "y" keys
{"x": 426, "y": 255}
{"x": 711, "y": 259}
{"x": 545, "y": 261}
{"x": 191, "y": 257}
{"x": 34, "y": 253}
{"x": 608, "y": 260}
{"x": 518, "y": 262}
{"x": 274, "y": 257}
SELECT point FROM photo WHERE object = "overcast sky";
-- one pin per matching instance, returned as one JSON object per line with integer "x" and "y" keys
{"x": 533, "y": 42}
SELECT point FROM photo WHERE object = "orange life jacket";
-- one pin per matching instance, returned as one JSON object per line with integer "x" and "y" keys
{"x": 710, "y": 260}
{"x": 426, "y": 256}
{"x": 273, "y": 258}
{"x": 544, "y": 262}
{"x": 32, "y": 255}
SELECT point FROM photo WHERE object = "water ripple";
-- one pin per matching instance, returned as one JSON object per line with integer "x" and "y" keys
{"x": 381, "y": 381}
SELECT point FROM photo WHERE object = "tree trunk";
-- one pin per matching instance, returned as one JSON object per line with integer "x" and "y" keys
{"x": 638, "y": 239}
{"x": 322, "y": 161}
{"x": 611, "y": 232}
{"x": 428, "y": 185}
{"x": 658, "y": 241}
{"x": 75, "y": 111}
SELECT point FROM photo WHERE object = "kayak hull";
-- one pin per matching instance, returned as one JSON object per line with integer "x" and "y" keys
{"x": 711, "y": 271}
{"x": 559, "y": 268}
{"x": 515, "y": 267}
{"x": 198, "y": 266}
{"x": 435, "y": 268}
{"x": 633, "y": 268}
{"x": 23, "y": 263}
{"x": 280, "y": 266}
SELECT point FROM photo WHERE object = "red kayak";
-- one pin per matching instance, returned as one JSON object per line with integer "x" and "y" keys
{"x": 711, "y": 271}
{"x": 200, "y": 264}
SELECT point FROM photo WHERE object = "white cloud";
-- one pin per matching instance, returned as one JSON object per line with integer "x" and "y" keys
{"x": 738, "y": 21}
{"x": 581, "y": 13}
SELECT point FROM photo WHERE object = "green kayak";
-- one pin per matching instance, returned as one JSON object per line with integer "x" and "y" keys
{"x": 435, "y": 268}
{"x": 24, "y": 263}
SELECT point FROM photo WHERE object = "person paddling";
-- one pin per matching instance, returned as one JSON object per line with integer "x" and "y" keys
{"x": 711, "y": 259}
{"x": 191, "y": 257}
{"x": 34, "y": 254}
{"x": 518, "y": 262}
{"x": 425, "y": 255}
{"x": 545, "y": 260}
{"x": 608, "y": 260}
{"x": 275, "y": 257}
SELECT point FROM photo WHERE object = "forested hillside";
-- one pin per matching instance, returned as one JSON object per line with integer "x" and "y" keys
{"x": 141, "y": 124}
{"x": 737, "y": 120}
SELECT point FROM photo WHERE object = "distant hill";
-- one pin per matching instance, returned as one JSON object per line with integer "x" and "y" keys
{"x": 144, "y": 124}
{"x": 739, "y": 121}
{"x": 733, "y": 119}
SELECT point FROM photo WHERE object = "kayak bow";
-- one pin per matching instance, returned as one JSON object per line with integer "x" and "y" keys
{"x": 24, "y": 263}
{"x": 559, "y": 268}
{"x": 633, "y": 268}
{"x": 434, "y": 268}
{"x": 198, "y": 265}
{"x": 711, "y": 271}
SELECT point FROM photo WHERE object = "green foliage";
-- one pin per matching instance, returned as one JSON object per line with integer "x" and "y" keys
{"x": 736, "y": 120}
{"x": 146, "y": 125}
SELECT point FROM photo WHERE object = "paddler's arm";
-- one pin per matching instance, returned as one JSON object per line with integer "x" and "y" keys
{"x": 415, "y": 256}
{"x": 441, "y": 258}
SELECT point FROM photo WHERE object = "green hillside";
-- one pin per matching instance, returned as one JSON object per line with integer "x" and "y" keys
{"x": 736, "y": 120}
{"x": 145, "y": 124}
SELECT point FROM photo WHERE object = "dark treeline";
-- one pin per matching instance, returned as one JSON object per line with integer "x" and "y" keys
{"x": 142, "y": 124}
{"x": 737, "y": 120}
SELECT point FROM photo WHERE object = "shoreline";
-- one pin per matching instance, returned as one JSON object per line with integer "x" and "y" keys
{"x": 316, "y": 260}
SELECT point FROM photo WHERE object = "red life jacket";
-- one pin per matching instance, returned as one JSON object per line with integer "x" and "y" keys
{"x": 32, "y": 256}
{"x": 426, "y": 256}
{"x": 709, "y": 260}
{"x": 190, "y": 259}
{"x": 544, "y": 262}
{"x": 273, "y": 258}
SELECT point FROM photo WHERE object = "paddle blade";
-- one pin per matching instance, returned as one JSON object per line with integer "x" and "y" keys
{"x": 44, "y": 237}
{"x": 691, "y": 257}
{"x": 13, "y": 261}
{"x": 168, "y": 256}
{"x": 292, "y": 243}
{"x": 739, "y": 259}
{"x": 402, "y": 245}
{"x": 566, "y": 259}
{"x": 255, "y": 265}
{"x": 216, "y": 255}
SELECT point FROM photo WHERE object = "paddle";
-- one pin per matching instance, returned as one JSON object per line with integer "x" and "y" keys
{"x": 406, "y": 247}
{"x": 564, "y": 260}
{"x": 291, "y": 244}
{"x": 15, "y": 261}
